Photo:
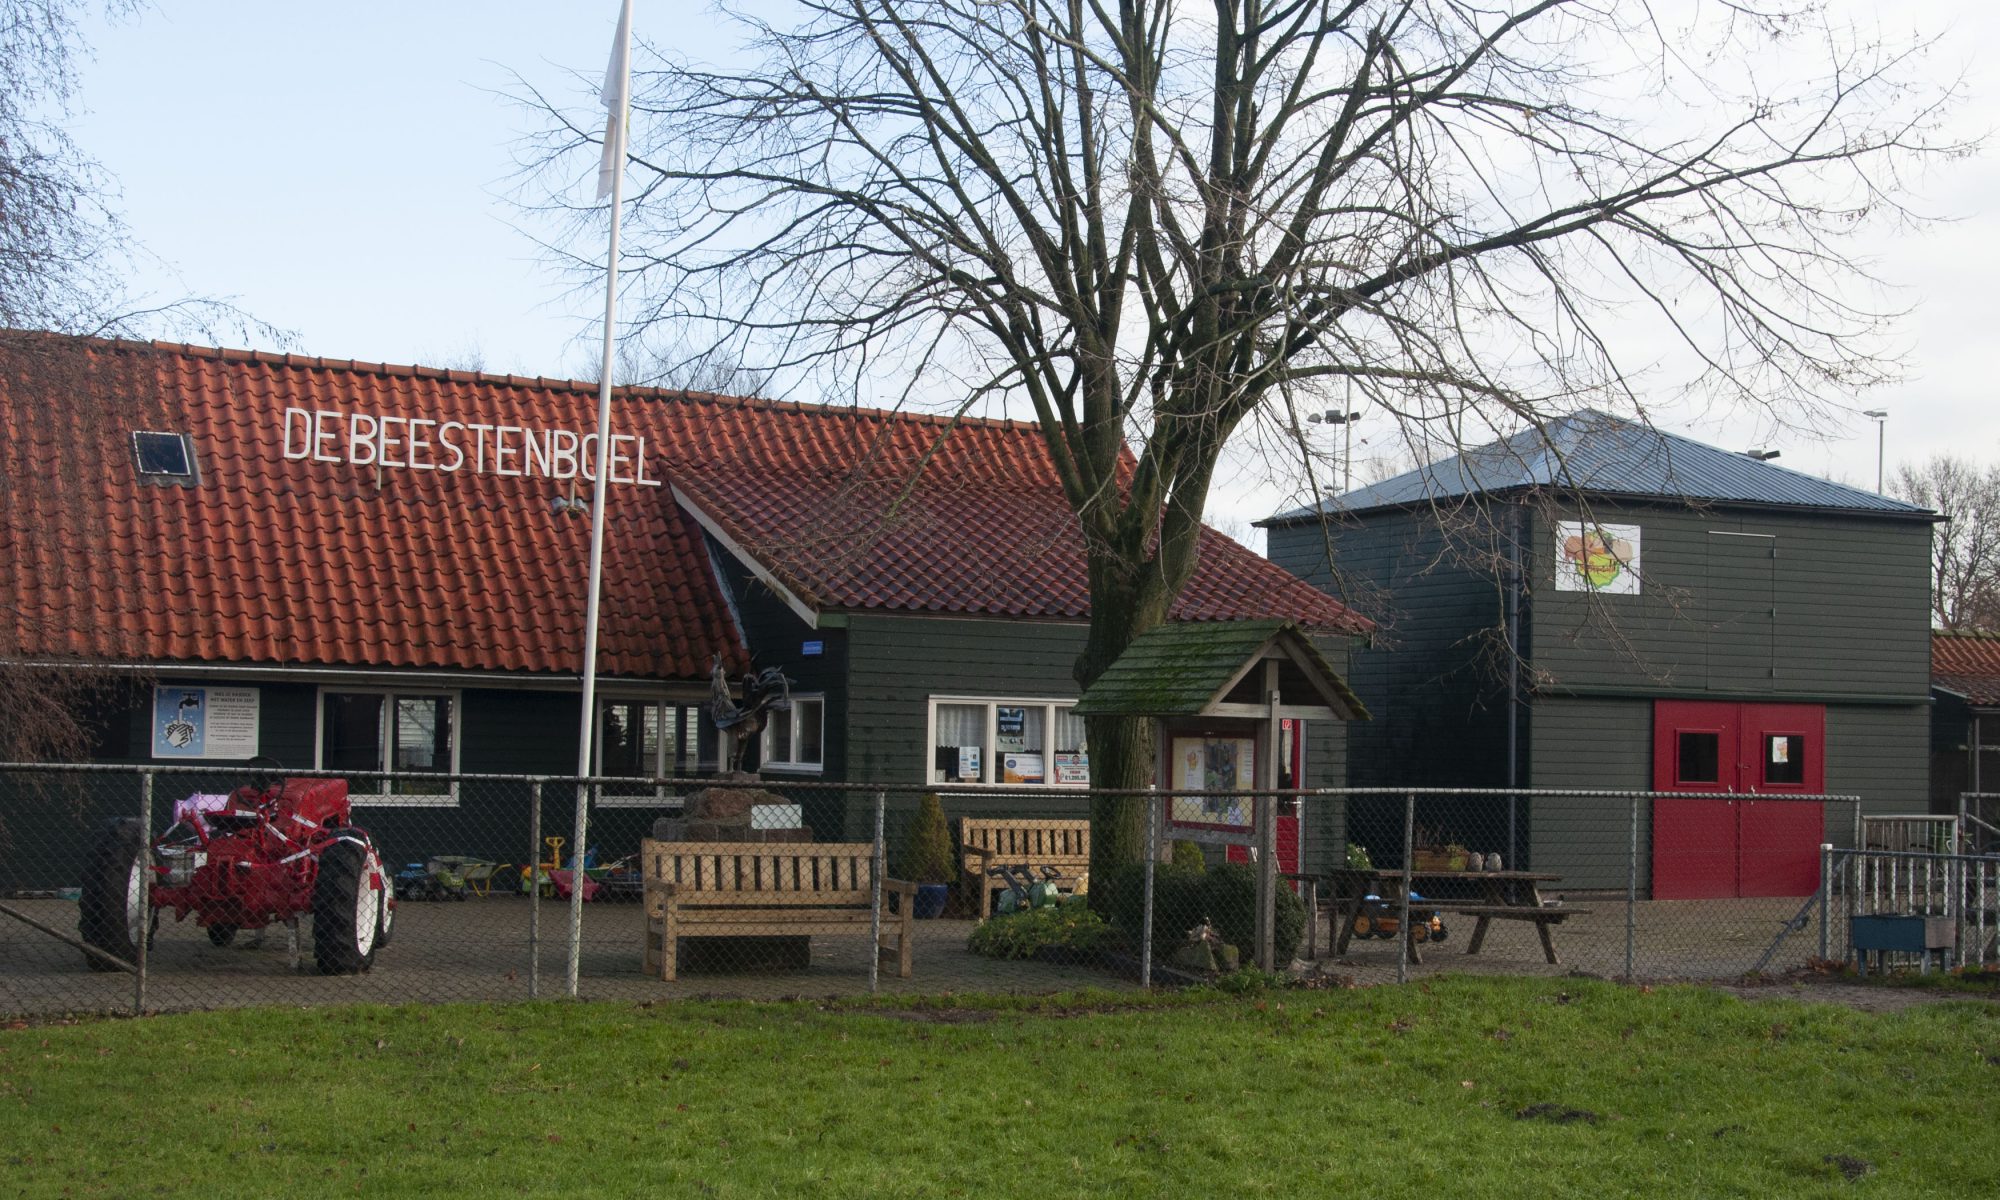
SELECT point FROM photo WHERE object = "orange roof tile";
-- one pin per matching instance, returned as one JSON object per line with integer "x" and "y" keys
{"x": 1967, "y": 664}
{"x": 272, "y": 559}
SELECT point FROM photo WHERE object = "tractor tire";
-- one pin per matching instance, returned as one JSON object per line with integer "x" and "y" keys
{"x": 221, "y": 935}
{"x": 111, "y": 904}
{"x": 1364, "y": 925}
{"x": 347, "y": 917}
{"x": 386, "y": 916}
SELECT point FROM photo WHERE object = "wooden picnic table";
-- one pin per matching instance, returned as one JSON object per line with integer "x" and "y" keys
{"x": 1503, "y": 895}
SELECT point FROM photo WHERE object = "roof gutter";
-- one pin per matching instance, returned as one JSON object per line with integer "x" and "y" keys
{"x": 494, "y": 679}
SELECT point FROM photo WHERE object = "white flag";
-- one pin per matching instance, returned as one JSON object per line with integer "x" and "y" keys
{"x": 617, "y": 98}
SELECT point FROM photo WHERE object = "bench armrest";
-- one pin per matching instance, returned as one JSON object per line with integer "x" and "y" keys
{"x": 985, "y": 857}
{"x": 903, "y": 886}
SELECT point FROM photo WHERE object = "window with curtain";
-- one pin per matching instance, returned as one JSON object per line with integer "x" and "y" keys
{"x": 1033, "y": 743}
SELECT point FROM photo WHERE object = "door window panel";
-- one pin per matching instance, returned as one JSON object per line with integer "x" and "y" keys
{"x": 1784, "y": 758}
{"x": 1699, "y": 759}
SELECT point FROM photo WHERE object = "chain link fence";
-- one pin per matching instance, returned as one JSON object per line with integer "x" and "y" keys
{"x": 295, "y": 888}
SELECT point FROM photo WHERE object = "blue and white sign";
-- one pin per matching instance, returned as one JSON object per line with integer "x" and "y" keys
{"x": 204, "y": 722}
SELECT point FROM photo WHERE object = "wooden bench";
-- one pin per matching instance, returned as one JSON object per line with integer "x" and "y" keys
{"x": 759, "y": 889}
{"x": 985, "y": 843}
{"x": 1543, "y": 917}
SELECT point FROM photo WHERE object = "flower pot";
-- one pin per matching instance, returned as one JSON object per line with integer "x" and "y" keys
{"x": 931, "y": 898}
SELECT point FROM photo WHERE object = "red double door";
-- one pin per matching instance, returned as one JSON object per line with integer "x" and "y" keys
{"x": 1740, "y": 845}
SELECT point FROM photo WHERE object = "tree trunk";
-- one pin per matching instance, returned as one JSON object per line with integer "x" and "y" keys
{"x": 1125, "y": 602}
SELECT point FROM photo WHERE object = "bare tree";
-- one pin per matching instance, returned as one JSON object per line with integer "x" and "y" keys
{"x": 65, "y": 259}
{"x": 1163, "y": 227}
{"x": 1965, "y": 546}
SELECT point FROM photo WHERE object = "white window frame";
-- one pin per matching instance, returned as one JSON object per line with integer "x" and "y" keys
{"x": 988, "y": 762}
{"x": 766, "y": 761}
{"x": 385, "y": 798}
{"x": 658, "y": 796}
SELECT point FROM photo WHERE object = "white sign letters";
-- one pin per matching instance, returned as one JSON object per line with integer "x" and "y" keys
{"x": 425, "y": 444}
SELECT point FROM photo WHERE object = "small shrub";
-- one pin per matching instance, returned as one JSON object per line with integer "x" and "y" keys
{"x": 1177, "y": 905}
{"x": 1246, "y": 980}
{"x": 1358, "y": 859}
{"x": 1229, "y": 900}
{"x": 1188, "y": 854}
{"x": 927, "y": 844}
{"x": 1068, "y": 926}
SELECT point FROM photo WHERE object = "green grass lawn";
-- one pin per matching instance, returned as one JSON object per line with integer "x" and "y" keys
{"x": 1461, "y": 1088}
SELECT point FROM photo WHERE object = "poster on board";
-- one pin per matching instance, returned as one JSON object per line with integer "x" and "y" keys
{"x": 1597, "y": 558}
{"x": 1213, "y": 764}
{"x": 204, "y": 722}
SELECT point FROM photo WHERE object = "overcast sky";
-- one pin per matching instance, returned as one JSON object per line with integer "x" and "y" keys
{"x": 339, "y": 170}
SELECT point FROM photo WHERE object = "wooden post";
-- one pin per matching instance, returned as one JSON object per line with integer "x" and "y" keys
{"x": 1266, "y": 820}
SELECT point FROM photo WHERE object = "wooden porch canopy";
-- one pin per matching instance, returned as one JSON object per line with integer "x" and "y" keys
{"x": 1223, "y": 669}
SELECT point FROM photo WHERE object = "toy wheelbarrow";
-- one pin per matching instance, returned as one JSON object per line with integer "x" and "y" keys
{"x": 559, "y": 879}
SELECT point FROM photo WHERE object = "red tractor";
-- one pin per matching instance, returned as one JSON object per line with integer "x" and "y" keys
{"x": 270, "y": 852}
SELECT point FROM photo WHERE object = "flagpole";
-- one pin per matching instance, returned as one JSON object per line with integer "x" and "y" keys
{"x": 617, "y": 98}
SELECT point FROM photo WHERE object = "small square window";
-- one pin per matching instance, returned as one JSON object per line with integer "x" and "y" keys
{"x": 1700, "y": 758}
{"x": 163, "y": 455}
{"x": 1784, "y": 758}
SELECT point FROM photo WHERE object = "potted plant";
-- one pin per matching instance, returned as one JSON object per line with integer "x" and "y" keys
{"x": 927, "y": 856}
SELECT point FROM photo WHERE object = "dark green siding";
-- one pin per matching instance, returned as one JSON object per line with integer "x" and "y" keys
{"x": 1433, "y": 676}
{"x": 1876, "y": 752}
{"x": 1880, "y": 753}
{"x": 1601, "y": 743}
{"x": 1746, "y": 603}
{"x": 777, "y": 637}
{"x": 898, "y": 663}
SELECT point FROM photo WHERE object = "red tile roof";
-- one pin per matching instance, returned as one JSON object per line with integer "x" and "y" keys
{"x": 275, "y": 561}
{"x": 1967, "y": 664}
{"x": 279, "y": 561}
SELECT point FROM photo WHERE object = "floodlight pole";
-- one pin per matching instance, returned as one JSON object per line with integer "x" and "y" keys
{"x": 1881, "y": 418}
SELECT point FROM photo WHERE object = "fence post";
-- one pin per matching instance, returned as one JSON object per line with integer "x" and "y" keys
{"x": 1825, "y": 898}
{"x": 875, "y": 900}
{"x": 1146, "y": 908}
{"x": 1267, "y": 881}
{"x": 534, "y": 891}
{"x": 1409, "y": 864}
{"x": 576, "y": 853}
{"x": 145, "y": 869}
{"x": 1631, "y": 897}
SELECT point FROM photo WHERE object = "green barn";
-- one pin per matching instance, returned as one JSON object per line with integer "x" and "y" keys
{"x": 1610, "y": 607}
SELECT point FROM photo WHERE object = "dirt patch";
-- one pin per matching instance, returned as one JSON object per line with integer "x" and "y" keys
{"x": 1815, "y": 987}
{"x": 1556, "y": 1114}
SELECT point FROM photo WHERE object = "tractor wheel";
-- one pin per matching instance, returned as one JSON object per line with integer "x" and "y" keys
{"x": 386, "y": 914}
{"x": 347, "y": 911}
{"x": 1364, "y": 925}
{"x": 221, "y": 935}
{"x": 111, "y": 904}
{"x": 1442, "y": 932}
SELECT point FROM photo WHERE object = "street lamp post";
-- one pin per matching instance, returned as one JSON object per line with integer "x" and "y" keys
{"x": 1334, "y": 416}
{"x": 1881, "y": 418}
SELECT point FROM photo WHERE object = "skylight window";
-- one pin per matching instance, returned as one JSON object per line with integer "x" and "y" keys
{"x": 165, "y": 456}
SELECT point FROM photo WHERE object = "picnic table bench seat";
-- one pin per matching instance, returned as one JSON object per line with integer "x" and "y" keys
{"x": 1034, "y": 843}
{"x": 766, "y": 889}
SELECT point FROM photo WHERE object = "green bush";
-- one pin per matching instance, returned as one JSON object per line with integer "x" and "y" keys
{"x": 1188, "y": 854}
{"x": 1229, "y": 900}
{"x": 927, "y": 844}
{"x": 1177, "y": 903}
{"x": 1068, "y": 926}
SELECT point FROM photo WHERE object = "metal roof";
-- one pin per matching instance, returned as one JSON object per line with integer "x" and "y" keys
{"x": 1597, "y": 452}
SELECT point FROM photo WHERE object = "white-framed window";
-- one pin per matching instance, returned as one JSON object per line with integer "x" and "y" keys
{"x": 990, "y": 739}
{"x": 795, "y": 740}
{"x": 646, "y": 739}
{"x": 388, "y": 739}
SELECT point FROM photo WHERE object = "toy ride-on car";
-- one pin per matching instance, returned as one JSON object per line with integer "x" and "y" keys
{"x": 268, "y": 853}
{"x": 1381, "y": 918}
